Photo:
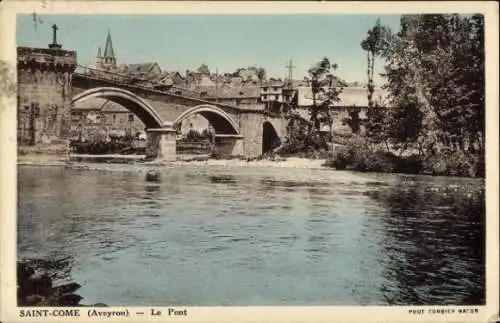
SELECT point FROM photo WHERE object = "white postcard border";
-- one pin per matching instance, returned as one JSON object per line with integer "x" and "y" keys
{"x": 9, "y": 312}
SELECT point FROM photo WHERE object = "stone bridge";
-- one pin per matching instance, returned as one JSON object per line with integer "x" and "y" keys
{"x": 48, "y": 88}
{"x": 240, "y": 130}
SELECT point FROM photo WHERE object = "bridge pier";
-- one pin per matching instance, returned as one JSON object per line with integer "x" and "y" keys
{"x": 228, "y": 146}
{"x": 161, "y": 144}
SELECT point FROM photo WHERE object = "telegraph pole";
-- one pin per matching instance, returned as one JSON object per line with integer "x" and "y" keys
{"x": 290, "y": 67}
{"x": 216, "y": 84}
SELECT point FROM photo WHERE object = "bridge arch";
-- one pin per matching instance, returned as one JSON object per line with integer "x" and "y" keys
{"x": 220, "y": 120}
{"x": 128, "y": 100}
{"x": 270, "y": 137}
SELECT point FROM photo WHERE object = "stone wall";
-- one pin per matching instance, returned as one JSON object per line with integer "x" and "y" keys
{"x": 44, "y": 95}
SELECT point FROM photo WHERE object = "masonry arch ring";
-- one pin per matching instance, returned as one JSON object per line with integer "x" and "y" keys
{"x": 222, "y": 122}
{"x": 128, "y": 100}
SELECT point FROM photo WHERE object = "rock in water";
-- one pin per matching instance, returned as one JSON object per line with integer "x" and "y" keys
{"x": 40, "y": 284}
{"x": 153, "y": 176}
{"x": 69, "y": 300}
{"x": 33, "y": 300}
{"x": 65, "y": 289}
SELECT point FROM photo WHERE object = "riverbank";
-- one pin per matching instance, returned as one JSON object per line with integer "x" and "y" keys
{"x": 290, "y": 162}
{"x": 42, "y": 160}
{"x": 52, "y": 160}
{"x": 36, "y": 284}
{"x": 367, "y": 162}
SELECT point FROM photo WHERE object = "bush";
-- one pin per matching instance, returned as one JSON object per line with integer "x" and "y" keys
{"x": 357, "y": 155}
{"x": 454, "y": 163}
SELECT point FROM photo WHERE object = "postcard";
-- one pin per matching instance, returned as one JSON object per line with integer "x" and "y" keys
{"x": 249, "y": 161}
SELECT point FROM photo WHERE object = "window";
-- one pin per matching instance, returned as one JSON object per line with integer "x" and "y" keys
{"x": 130, "y": 117}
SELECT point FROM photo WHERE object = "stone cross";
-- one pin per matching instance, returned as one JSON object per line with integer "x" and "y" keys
{"x": 54, "y": 44}
{"x": 54, "y": 34}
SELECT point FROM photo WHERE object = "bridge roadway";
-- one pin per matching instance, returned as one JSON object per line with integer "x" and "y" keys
{"x": 240, "y": 130}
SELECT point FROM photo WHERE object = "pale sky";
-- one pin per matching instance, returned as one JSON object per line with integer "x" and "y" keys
{"x": 180, "y": 42}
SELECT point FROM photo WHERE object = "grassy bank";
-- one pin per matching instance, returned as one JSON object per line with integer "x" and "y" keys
{"x": 358, "y": 156}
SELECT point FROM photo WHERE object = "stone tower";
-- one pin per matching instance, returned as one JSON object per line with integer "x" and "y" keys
{"x": 44, "y": 95}
{"x": 108, "y": 60}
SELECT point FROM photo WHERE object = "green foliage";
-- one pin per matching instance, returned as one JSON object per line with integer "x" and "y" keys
{"x": 353, "y": 121}
{"x": 203, "y": 68}
{"x": 435, "y": 75}
{"x": 325, "y": 93}
{"x": 195, "y": 135}
{"x": 356, "y": 154}
{"x": 454, "y": 163}
{"x": 374, "y": 44}
{"x": 436, "y": 63}
{"x": 376, "y": 124}
{"x": 405, "y": 124}
{"x": 304, "y": 136}
{"x": 300, "y": 140}
{"x": 261, "y": 73}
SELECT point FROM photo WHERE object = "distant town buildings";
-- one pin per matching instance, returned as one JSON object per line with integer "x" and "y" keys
{"x": 246, "y": 87}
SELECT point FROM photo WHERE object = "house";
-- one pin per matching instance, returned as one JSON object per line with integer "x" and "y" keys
{"x": 194, "y": 79}
{"x": 353, "y": 99}
{"x": 272, "y": 91}
{"x": 99, "y": 118}
{"x": 141, "y": 70}
{"x": 247, "y": 95}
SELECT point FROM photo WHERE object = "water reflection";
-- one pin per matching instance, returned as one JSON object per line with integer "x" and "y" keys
{"x": 222, "y": 179}
{"x": 257, "y": 236}
{"x": 434, "y": 244}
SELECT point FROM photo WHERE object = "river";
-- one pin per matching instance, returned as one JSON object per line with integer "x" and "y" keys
{"x": 241, "y": 236}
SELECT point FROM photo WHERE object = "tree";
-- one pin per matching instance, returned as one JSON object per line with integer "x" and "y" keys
{"x": 435, "y": 64}
{"x": 203, "y": 68}
{"x": 261, "y": 73}
{"x": 353, "y": 121}
{"x": 304, "y": 135}
{"x": 374, "y": 44}
{"x": 325, "y": 88}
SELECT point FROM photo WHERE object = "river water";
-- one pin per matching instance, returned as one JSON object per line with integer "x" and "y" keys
{"x": 256, "y": 235}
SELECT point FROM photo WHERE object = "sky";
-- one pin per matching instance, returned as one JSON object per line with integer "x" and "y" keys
{"x": 225, "y": 43}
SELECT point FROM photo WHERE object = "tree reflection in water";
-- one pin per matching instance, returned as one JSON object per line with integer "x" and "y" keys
{"x": 434, "y": 241}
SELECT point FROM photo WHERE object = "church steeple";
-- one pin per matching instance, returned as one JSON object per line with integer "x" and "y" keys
{"x": 108, "y": 60}
{"x": 108, "y": 50}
